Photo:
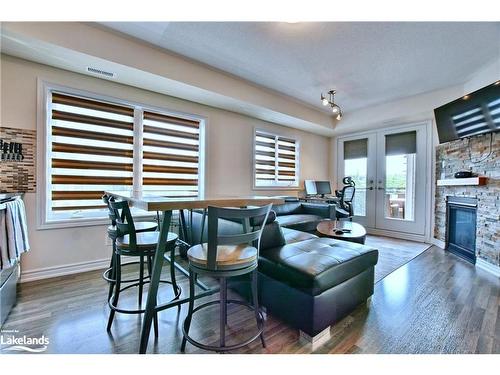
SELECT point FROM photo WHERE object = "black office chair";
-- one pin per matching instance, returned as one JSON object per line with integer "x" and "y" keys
{"x": 344, "y": 208}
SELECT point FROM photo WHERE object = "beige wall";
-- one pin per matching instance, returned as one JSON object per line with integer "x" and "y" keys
{"x": 228, "y": 162}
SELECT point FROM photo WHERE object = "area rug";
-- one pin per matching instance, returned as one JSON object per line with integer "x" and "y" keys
{"x": 393, "y": 253}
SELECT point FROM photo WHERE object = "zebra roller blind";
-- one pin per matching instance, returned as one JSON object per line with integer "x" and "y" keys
{"x": 91, "y": 150}
{"x": 276, "y": 160}
{"x": 171, "y": 154}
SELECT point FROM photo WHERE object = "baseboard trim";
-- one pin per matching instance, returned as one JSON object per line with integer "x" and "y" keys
{"x": 438, "y": 243}
{"x": 67, "y": 269}
{"x": 488, "y": 267}
{"x": 394, "y": 234}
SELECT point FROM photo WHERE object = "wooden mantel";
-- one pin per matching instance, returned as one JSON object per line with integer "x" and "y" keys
{"x": 472, "y": 181}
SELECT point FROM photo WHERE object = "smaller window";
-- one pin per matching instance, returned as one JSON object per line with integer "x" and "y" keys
{"x": 275, "y": 160}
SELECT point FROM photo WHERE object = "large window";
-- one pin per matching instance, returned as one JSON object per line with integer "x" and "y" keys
{"x": 275, "y": 161}
{"x": 96, "y": 145}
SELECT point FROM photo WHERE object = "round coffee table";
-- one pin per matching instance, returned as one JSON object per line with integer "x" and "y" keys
{"x": 357, "y": 231}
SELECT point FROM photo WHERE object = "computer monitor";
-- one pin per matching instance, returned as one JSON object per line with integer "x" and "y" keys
{"x": 310, "y": 186}
{"x": 323, "y": 187}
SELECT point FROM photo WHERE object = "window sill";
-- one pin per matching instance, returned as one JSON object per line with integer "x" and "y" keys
{"x": 84, "y": 222}
{"x": 278, "y": 188}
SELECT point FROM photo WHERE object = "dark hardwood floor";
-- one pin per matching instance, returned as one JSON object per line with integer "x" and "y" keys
{"x": 436, "y": 303}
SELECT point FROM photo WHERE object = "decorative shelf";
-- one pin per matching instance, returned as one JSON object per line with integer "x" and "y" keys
{"x": 472, "y": 181}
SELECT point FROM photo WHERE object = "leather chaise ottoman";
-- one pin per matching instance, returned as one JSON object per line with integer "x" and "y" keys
{"x": 314, "y": 283}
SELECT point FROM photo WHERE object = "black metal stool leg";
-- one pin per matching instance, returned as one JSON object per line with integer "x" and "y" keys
{"x": 227, "y": 303}
{"x": 187, "y": 321}
{"x": 172, "y": 276}
{"x": 116, "y": 295}
{"x": 255, "y": 296}
{"x": 155, "y": 318}
{"x": 141, "y": 279}
{"x": 223, "y": 311}
{"x": 112, "y": 273}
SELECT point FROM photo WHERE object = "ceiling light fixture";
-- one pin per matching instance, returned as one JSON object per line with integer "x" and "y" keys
{"x": 331, "y": 102}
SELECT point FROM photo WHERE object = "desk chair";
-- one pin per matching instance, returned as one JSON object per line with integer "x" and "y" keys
{"x": 345, "y": 198}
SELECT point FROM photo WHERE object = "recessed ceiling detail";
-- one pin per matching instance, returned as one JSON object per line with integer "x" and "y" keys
{"x": 367, "y": 62}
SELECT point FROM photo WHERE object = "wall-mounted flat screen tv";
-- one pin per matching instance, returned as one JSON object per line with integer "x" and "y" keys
{"x": 472, "y": 114}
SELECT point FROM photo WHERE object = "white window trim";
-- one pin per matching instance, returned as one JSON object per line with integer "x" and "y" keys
{"x": 44, "y": 89}
{"x": 297, "y": 161}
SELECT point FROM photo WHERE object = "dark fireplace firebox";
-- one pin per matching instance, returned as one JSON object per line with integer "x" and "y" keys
{"x": 461, "y": 227}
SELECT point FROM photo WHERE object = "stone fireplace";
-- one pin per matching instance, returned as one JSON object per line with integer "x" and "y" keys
{"x": 470, "y": 154}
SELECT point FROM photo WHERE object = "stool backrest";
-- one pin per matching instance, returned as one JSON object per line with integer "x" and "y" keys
{"x": 124, "y": 221}
{"x": 253, "y": 220}
{"x": 113, "y": 214}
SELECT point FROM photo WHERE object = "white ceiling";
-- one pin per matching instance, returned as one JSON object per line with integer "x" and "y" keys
{"x": 367, "y": 63}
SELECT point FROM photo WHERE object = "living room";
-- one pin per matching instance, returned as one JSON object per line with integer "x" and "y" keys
{"x": 250, "y": 187}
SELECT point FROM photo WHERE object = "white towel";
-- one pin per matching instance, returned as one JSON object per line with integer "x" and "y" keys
{"x": 4, "y": 249}
{"x": 16, "y": 232}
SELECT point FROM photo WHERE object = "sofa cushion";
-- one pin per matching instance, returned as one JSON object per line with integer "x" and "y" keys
{"x": 317, "y": 264}
{"x": 287, "y": 208}
{"x": 302, "y": 222}
{"x": 272, "y": 236}
{"x": 292, "y": 235}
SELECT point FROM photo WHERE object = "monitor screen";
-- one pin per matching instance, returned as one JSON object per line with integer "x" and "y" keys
{"x": 310, "y": 186}
{"x": 323, "y": 187}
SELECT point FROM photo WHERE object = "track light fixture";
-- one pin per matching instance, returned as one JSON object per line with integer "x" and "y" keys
{"x": 331, "y": 102}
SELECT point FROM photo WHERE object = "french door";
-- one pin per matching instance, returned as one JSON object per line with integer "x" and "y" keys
{"x": 389, "y": 168}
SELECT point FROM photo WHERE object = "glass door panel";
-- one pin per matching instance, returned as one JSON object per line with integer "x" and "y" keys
{"x": 357, "y": 169}
{"x": 356, "y": 156}
{"x": 401, "y": 180}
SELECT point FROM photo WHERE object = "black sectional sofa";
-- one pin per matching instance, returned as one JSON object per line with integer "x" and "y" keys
{"x": 307, "y": 281}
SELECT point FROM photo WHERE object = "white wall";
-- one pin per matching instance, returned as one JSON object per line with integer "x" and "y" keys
{"x": 228, "y": 163}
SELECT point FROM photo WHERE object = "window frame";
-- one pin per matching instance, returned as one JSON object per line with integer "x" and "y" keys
{"x": 296, "y": 186}
{"x": 44, "y": 94}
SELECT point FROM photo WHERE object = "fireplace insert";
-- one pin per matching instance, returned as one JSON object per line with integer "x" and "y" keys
{"x": 461, "y": 227}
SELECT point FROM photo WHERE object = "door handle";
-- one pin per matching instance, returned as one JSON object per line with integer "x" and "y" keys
{"x": 370, "y": 188}
{"x": 380, "y": 188}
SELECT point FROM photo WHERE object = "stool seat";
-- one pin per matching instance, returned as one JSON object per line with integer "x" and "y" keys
{"x": 145, "y": 240}
{"x": 227, "y": 255}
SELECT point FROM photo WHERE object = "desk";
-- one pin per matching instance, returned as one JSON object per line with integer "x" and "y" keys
{"x": 154, "y": 201}
{"x": 318, "y": 199}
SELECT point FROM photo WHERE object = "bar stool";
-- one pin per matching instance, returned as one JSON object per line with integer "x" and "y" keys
{"x": 132, "y": 244}
{"x": 226, "y": 256}
{"x": 142, "y": 226}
